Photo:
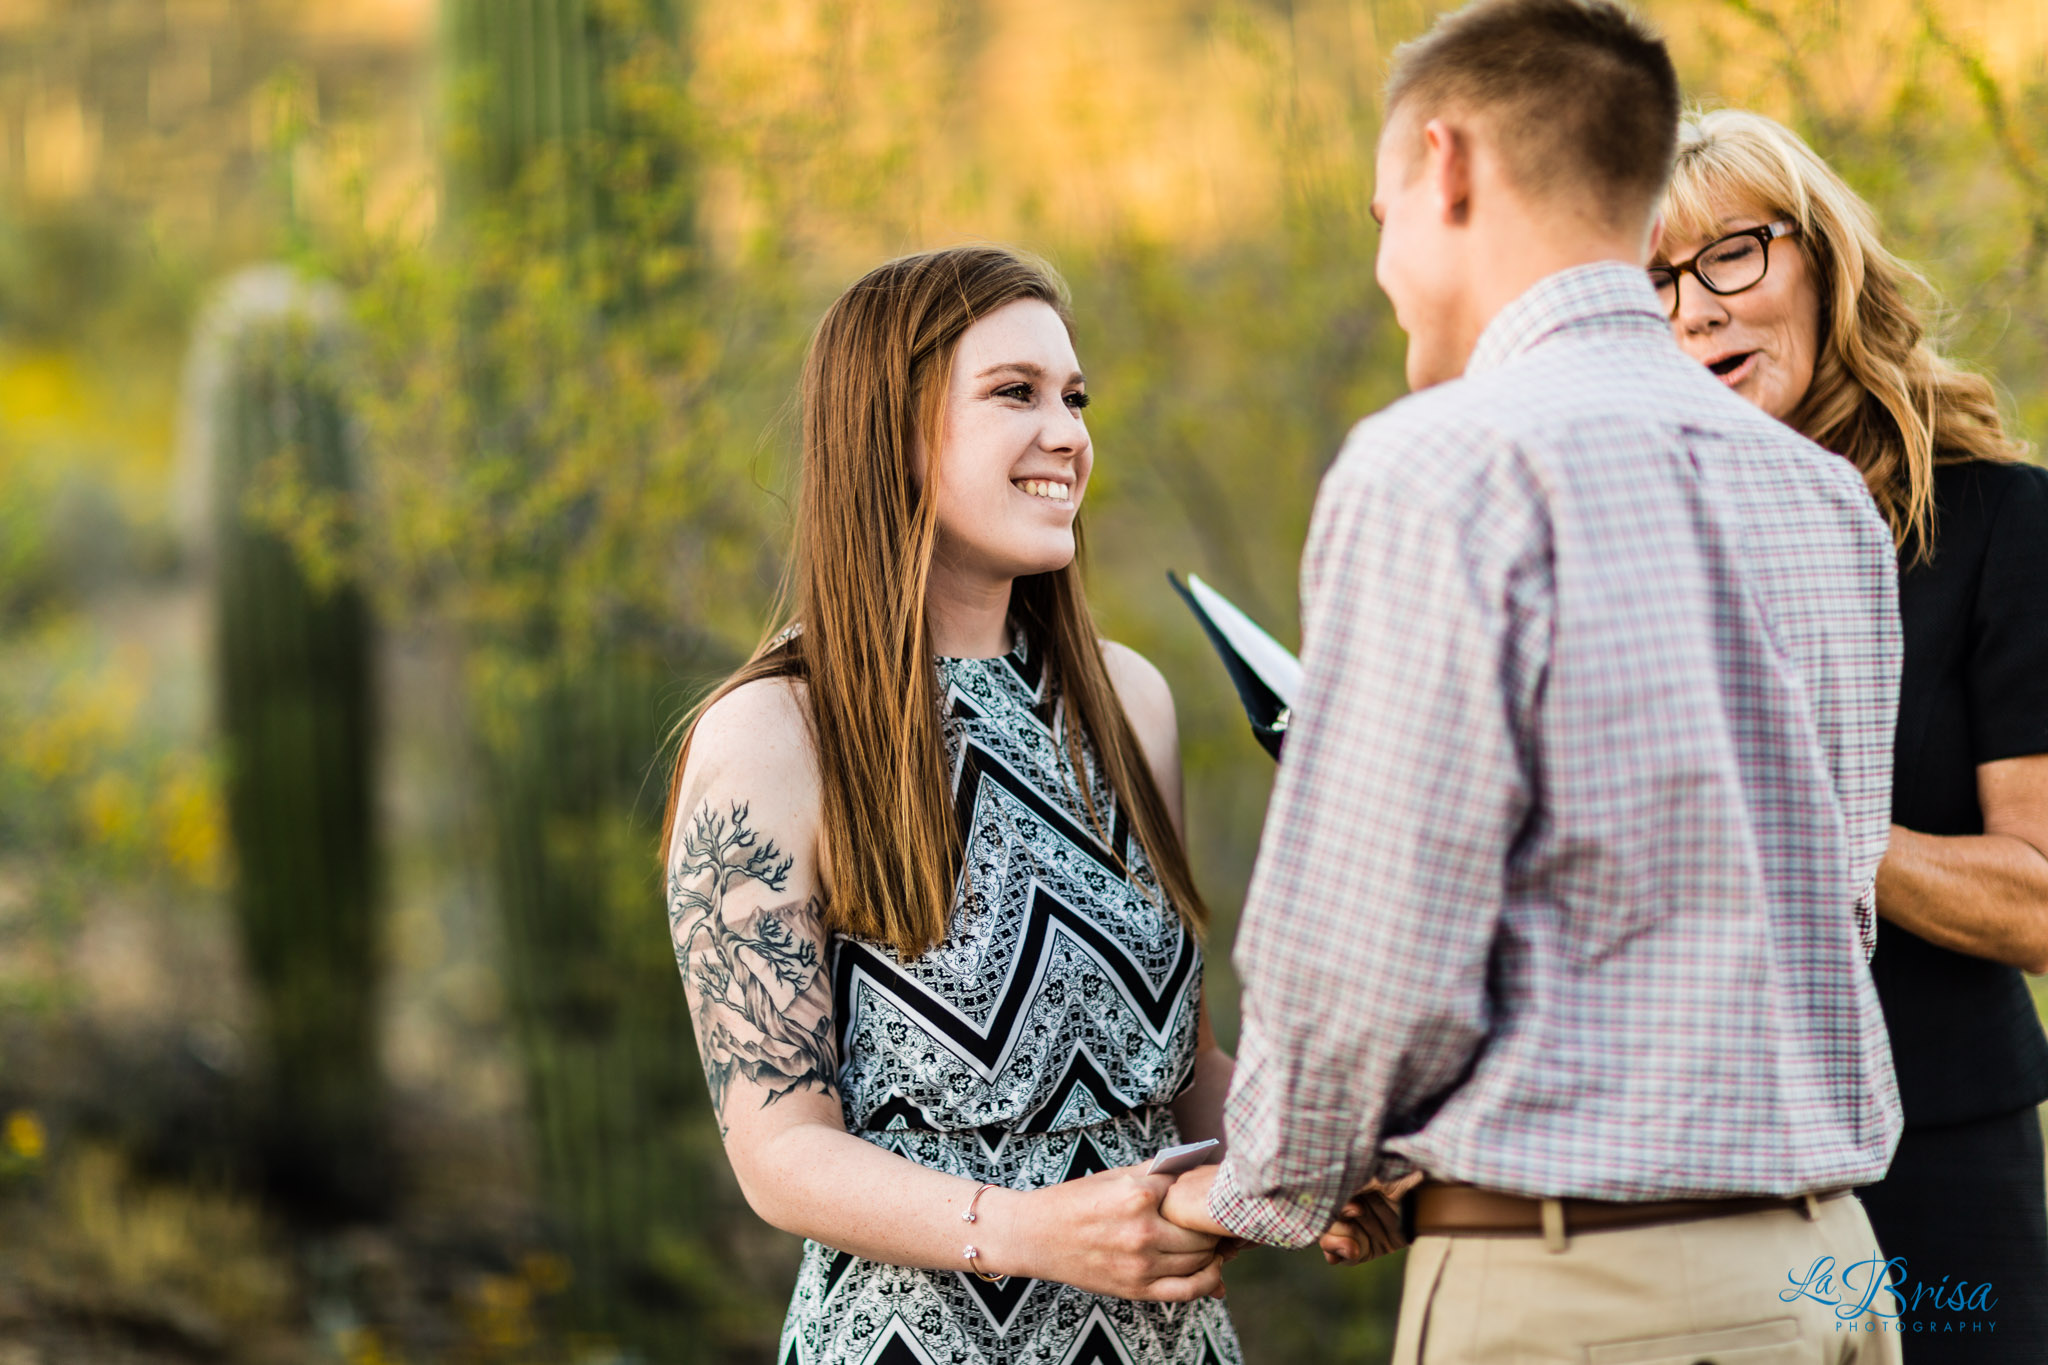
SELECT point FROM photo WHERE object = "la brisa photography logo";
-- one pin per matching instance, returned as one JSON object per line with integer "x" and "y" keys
{"x": 1881, "y": 1295}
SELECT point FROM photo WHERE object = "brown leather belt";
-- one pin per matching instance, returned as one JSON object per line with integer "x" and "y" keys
{"x": 1441, "y": 1209}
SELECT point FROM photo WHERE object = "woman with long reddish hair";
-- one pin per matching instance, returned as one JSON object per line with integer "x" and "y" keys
{"x": 926, "y": 880}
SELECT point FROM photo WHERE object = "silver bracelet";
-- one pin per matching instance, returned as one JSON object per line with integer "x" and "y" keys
{"x": 973, "y": 1251}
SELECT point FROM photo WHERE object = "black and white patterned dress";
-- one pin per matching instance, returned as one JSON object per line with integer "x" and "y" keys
{"x": 1041, "y": 1041}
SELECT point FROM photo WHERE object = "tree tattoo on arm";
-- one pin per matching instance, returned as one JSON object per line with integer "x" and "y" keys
{"x": 757, "y": 981}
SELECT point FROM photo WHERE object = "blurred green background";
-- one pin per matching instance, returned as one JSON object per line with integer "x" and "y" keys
{"x": 395, "y": 435}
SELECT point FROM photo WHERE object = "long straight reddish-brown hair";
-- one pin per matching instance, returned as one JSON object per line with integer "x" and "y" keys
{"x": 875, "y": 378}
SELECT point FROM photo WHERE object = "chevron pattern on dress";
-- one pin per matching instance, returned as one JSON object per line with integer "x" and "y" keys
{"x": 857, "y": 965}
{"x": 1041, "y": 1041}
{"x": 1061, "y": 951}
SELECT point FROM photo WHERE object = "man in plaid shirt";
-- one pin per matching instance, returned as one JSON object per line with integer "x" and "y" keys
{"x": 1563, "y": 900}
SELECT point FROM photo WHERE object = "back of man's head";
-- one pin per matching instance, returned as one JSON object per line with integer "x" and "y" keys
{"x": 1579, "y": 97}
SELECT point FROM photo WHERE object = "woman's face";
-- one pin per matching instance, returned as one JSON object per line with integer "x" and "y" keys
{"x": 1762, "y": 342}
{"x": 1015, "y": 454}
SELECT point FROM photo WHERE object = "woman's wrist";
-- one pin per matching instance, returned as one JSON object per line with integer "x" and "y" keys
{"x": 1006, "y": 1243}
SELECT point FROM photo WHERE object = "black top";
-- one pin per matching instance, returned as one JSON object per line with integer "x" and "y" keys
{"x": 1965, "y": 1034}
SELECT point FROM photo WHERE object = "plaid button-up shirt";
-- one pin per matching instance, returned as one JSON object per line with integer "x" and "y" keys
{"x": 1564, "y": 888}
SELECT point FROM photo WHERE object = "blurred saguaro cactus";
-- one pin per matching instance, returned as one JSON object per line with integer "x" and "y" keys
{"x": 569, "y": 168}
{"x": 573, "y": 114}
{"x": 296, "y": 709}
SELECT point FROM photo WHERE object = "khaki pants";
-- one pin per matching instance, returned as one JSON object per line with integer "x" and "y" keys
{"x": 1719, "y": 1290}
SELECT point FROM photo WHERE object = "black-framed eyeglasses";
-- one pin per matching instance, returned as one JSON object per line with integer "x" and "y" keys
{"x": 1726, "y": 265}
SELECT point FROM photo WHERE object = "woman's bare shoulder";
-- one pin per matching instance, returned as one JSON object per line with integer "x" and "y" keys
{"x": 753, "y": 746}
{"x": 763, "y": 708}
{"x": 1142, "y": 688}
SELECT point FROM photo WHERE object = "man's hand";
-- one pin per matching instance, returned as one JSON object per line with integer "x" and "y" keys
{"x": 1187, "y": 1203}
{"x": 1369, "y": 1224}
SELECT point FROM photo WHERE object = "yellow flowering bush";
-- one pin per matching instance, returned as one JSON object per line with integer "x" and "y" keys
{"x": 101, "y": 774}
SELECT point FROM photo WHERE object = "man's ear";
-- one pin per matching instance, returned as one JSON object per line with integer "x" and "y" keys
{"x": 1447, "y": 161}
{"x": 1656, "y": 238}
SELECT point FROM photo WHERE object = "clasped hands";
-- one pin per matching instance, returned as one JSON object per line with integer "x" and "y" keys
{"x": 1131, "y": 1234}
{"x": 1367, "y": 1226}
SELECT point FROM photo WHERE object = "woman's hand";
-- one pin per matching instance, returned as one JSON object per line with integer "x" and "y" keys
{"x": 1104, "y": 1233}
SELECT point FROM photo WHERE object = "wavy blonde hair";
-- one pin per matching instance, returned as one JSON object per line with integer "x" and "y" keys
{"x": 1882, "y": 395}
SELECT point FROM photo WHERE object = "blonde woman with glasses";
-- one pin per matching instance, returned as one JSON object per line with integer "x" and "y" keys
{"x": 1775, "y": 278}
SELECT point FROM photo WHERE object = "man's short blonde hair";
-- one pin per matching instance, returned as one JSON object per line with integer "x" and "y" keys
{"x": 1579, "y": 96}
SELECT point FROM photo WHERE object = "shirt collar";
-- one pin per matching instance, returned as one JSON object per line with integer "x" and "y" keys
{"x": 1615, "y": 296}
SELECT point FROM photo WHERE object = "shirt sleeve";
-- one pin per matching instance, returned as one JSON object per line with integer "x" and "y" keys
{"x": 1852, "y": 677}
{"x": 2009, "y": 649}
{"x": 1863, "y": 721}
{"x": 1364, "y": 941}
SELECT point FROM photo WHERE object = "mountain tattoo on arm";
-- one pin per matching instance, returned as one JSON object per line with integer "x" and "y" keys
{"x": 757, "y": 982}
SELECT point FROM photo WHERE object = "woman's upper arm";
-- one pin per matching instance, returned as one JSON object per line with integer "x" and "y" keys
{"x": 746, "y": 917}
{"x": 1148, "y": 702}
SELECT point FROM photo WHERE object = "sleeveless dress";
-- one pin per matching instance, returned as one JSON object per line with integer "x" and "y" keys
{"x": 1040, "y": 1041}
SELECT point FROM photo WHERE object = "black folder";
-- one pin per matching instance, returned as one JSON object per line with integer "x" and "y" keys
{"x": 1266, "y": 674}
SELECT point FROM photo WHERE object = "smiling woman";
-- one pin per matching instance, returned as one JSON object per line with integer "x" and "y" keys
{"x": 927, "y": 889}
{"x": 1018, "y": 456}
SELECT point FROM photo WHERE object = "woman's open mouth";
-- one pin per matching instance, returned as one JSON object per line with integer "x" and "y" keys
{"x": 1733, "y": 369}
{"x": 1049, "y": 489}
